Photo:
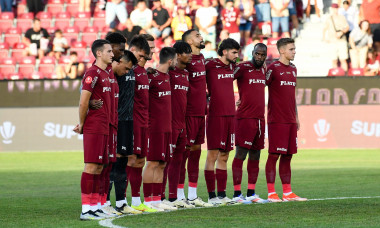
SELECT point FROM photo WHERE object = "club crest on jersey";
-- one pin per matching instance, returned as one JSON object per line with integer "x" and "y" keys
{"x": 88, "y": 80}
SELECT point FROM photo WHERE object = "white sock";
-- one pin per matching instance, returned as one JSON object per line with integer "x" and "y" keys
{"x": 136, "y": 201}
{"x": 192, "y": 193}
{"x": 180, "y": 193}
{"x": 120, "y": 203}
{"x": 99, "y": 205}
{"x": 85, "y": 208}
{"x": 147, "y": 203}
{"x": 108, "y": 203}
{"x": 94, "y": 208}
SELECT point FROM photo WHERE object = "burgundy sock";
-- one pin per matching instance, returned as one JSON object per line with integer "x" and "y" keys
{"x": 237, "y": 171}
{"x": 285, "y": 172}
{"x": 163, "y": 185}
{"x": 107, "y": 179}
{"x": 182, "y": 173}
{"x": 102, "y": 188}
{"x": 174, "y": 174}
{"x": 210, "y": 180}
{"x": 270, "y": 171}
{"x": 86, "y": 186}
{"x": 221, "y": 179}
{"x": 148, "y": 190}
{"x": 135, "y": 179}
{"x": 156, "y": 191}
{"x": 193, "y": 166}
{"x": 253, "y": 173}
{"x": 95, "y": 190}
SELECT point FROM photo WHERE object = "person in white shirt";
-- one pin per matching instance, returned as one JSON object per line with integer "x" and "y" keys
{"x": 205, "y": 19}
{"x": 142, "y": 16}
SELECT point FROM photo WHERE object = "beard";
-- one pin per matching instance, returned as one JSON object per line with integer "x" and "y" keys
{"x": 232, "y": 60}
{"x": 256, "y": 64}
{"x": 171, "y": 67}
{"x": 201, "y": 46}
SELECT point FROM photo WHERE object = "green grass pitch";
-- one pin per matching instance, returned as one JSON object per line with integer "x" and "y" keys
{"x": 42, "y": 189}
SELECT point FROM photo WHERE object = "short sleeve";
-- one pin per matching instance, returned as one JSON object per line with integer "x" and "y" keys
{"x": 238, "y": 71}
{"x": 269, "y": 76}
{"x": 214, "y": 13}
{"x": 89, "y": 80}
{"x": 28, "y": 34}
{"x": 45, "y": 33}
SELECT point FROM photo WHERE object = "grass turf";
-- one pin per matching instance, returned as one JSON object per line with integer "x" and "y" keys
{"x": 40, "y": 189}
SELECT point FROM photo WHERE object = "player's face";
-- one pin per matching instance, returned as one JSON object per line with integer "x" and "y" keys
{"x": 289, "y": 51}
{"x": 259, "y": 56}
{"x": 106, "y": 54}
{"x": 173, "y": 63}
{"x": 152, "y": 47}
{"x": 198, "y": 40}
{"x": 118, "y": 50}
{"x": 139, "y": 54}
{"x": 232, "y": 55}
{"x": 123, "y": 67}
{"x": 185, "y": 58}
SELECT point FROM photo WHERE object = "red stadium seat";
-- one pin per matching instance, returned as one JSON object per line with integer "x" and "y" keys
{"x": 47, "y": 66}
{"x": 99, "y": 19}
{"x": 18, "y": 50}
{"x": 45, "y": 18}
{"x": 90, "y": 34}
{"x": 7, "y": 66}
{"x": 272, "y": 41}
{"x": 80, "y": 48}
{"x": 51, "y": 30}
{"x": 26, "y": 65}
{"x": 21, "y": 7}
{"x": 4, "y": 50}
{"x": 71, "y": 34}
{"x": 82, "y": 20}
{"x": 62, "y": 20}
{"x": 35, "y": 75}
{"x": 356, "y": 72}
{"x": 6, "y": 21}
{"x": 24, "y": 21}
{"x": 336, "y": 72}
{"x": 272, "y": 52}
{"x": 65, "y": 59}
{"x": 72, "y": 6}
{"x": 1, "y": 77}
{"x": 104, "y": 32}
{"x": 12, "y": 36}
{"x": 15, "y": 76}
{"x": 55, "y": 6}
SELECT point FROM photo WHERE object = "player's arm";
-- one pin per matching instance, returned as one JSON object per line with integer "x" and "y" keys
{"x": 83, "y": 108}
{"x": 297, "y": 120}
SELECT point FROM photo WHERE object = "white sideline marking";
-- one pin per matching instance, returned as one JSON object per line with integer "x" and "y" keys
{"x": 108, "y": 222}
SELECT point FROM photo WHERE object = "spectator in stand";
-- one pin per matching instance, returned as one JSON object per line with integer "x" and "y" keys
{"x": 130, "y": 30}
{"x": 6, "y": 5}
{"x": 370, "y": 11}
{"x": 307, "y": 5}
{"x": 205, "y": 19}
{"x": 335, "y": 27}
{"x": 231, "y": 19}
{"x": 262, "y": 8}
{"x": 142, "y": 16}
{"x": 294, "y": 18}
{"x": 35, "y": 6}
{"x": 36, "y": 40}
{"x": 161, "y": 21}
{"x": 116, "y": 8}
{"x": 224, "y": 34}
{"x": 74, "y": 69}
{"x": 168, "y": 42}
{"x": 373, "y": 64}
{"x": 280, "y": 16}
{"x": 209, "y": 51}
{"x": 84, "y": 5}
{"x": 246, "y": 12}
{"x": 249, "y": 48}
{"x": 59, "y": 44}
{"x": 169, "y": 6}
{"x": 180, "y": 23}
{"x": 360, "y": 40}
{"x": 351, "y": 15}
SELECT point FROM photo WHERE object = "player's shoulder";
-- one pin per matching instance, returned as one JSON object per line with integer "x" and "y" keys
{"x": 211, "y": 62}
{"x": 275, "y": 65}
{"x": 244, "y": 65}
{"x": 292, "y": 65}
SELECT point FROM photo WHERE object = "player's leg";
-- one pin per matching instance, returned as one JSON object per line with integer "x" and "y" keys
{"x": 210, "y": 177}
{"x": 182, "y": 175}
{"x": 237, "y": 169}
{"x": 119, "y": 180}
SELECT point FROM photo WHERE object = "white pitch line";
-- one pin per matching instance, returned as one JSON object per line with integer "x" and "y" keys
{"x": 108, "y": 222}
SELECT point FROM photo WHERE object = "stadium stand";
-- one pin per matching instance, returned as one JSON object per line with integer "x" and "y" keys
{"x": 24, "y": 21}
{"x": 18, "y": 51}
{"x": 46, "y": 19}
{"x": 6, "y": 21}
{"x": 4, "y": 50}
{"x": 55, "y": 6}
{"x": 26, "y": 65}
{"x": 7, "y": 66}
{"x": 47, "y": 66}
{"x": 356, "y": 72}
{"x": 63, "y": 20}
{"x": 336, "y": 72}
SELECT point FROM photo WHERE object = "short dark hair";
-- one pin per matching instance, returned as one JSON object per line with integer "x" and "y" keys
{"x": 166, "y": 54}
{"x": 186, "y": 34}
{"x": 260, "y": 45}
{"x": 228, "y": 44}
{"x": 129, "y": 56}
{"x": 74, "y": 53}
{"x": 58, "y": 31}
{"x": 36, "y": 19}
{"x": 116, "y": 38}
{"x": 283, "y": 42}
{"x": 140, "y": 43}
{"x": 182, "y": 47}
{"x": 98, "y": 45}
{"x": 148, "y": 37}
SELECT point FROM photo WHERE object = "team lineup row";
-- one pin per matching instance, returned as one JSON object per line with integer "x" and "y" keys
{"x": 133, "y": 119}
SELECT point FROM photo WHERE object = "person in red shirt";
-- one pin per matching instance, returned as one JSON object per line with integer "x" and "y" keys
{"x": 160, "y": 130}
{"x": 195, "y": 118}
{"x": 370, "y": 11}
{"x": 231, "y": 20}
{"x": 283, "y": 122}
{"x": 179, "y": 81}
{"x": 250, "y": 122}
{"x": 94, "y": 125}
{"x": 220, "y": 128}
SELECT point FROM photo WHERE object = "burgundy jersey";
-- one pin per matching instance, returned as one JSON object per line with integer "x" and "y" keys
{"x": 141, "y": 104}
{"x": 220, "y": 79}
{"x": 160, "y": 106}
{"x": 114, "y": 96}
{"x": 179, "y": 81}
{"x": 196, "y": 96}
{"x": 281, "y": 81}
{"x": 251, "y": 84}
{"x": 96, "y": 81}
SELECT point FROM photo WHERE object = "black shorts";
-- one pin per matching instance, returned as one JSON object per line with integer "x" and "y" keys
{"x": 125, "y": 138}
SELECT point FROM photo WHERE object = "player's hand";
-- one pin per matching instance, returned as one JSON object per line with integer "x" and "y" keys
{"x": 238, "y": 103}
{"x": 150, "y": 70}
{"x": 78, "y": 129}
{"x": 95, "y": 104}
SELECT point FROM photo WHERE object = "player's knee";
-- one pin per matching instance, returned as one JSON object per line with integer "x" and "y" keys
{"x": 254, "y": 154}
{"x": 223, "y": 156}
{"x": 91, "y": 168}
{"x": 195, "y": 147}
{"x": 286, "y": 156}
{"x": 241, "y": 153}
{"x": 140, "y": 162}
{"x": 212, "y": 155}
